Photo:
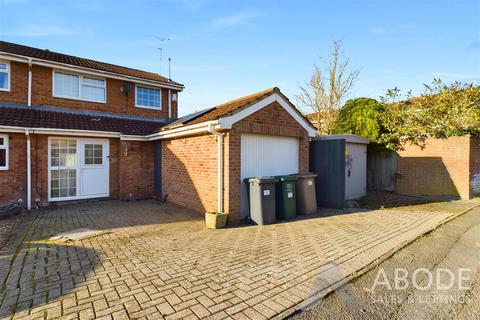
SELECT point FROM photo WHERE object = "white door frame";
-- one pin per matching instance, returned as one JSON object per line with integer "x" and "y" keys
{"x": 79, "y": 157}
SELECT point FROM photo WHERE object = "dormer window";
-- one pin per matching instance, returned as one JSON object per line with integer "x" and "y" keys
{"x": 4, "y": 76}
{"x": 73, "y": 86}
{"x": 149, "y": 98}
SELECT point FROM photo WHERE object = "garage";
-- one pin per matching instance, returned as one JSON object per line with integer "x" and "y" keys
{"x": 206, "y": 155}
{"x": 264, "y": 155}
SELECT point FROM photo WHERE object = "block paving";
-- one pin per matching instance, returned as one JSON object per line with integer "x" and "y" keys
{"x": 159, "y": 262}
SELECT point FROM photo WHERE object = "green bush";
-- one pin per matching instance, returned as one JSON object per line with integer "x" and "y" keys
{"x": 362, "y": 117}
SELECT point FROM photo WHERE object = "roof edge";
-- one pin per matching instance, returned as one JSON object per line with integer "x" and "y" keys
{"x": 111, "y": 74}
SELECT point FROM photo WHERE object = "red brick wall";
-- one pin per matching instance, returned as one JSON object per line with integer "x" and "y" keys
{"x": 440, "y": 169}
{"x": 117, "y": 102}
{"x": 189, "y": 164}
{"x": 13, "y": 182}
{"x": 189, "y": 172}
{"x": 136, "y": 170}
{"x": 18, "y": 84}
{"x": 131, "y": 172}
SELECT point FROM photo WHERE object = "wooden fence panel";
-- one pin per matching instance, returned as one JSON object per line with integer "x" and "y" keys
{"x": 382, "y": 171}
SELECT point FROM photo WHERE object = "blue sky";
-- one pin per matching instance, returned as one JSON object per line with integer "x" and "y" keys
{"x": 225, "y": 49}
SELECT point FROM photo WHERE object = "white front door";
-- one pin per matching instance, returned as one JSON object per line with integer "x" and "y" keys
{"x": 94, "y": 175}
{"x": 264, "y": 155}
{"x": 78, "y": 168}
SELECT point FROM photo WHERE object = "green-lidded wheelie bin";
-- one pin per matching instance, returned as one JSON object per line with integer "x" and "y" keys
{"x": 286, "y": 201}
{"x": 261, "y": 197}
{"x": 306, "y": 195}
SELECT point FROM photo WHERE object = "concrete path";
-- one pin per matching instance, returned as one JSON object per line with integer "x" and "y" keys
{"x": 154, "y": 261}
{"x": 453, "y": 246}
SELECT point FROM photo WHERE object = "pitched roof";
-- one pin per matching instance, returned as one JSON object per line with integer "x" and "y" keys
{"x": 231, "y": 106}
{"x": 36, "y": 53}
{"x": 36, "y": 118}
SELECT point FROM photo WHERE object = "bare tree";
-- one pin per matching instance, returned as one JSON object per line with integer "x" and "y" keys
{"x": 325, "y": 94}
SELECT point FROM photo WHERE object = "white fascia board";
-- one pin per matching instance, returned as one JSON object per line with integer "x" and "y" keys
{"x": 12, "y": 129}
{"x": 94, "y": 72}
{"x": 84, "y": 133}
{"x": 127, "y": 137}
{"x": 71, "y": 132}
{"x": 227, "y": 122}
{"x": 183, "y": 131}
{"x": 177, "y": 132}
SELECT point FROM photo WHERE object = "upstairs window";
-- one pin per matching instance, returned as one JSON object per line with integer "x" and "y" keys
{"x": 148, "y": 98}
{"x": 3, "y": 152}
{"x": 79, "y": 87}
{"x": 4, "y": 76}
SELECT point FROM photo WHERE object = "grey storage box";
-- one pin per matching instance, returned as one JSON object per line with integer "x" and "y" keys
{"x": 306, "y": 195}
{"x": 262, "y": 199}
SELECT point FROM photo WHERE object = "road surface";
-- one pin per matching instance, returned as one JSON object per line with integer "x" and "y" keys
{"x": 450, "y": 253}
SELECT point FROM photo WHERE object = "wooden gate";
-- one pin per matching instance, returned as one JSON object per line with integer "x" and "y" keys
{"x": 382, "y": 171}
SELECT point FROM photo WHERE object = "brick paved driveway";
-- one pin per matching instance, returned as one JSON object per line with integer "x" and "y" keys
{"x": 160, "y": 262}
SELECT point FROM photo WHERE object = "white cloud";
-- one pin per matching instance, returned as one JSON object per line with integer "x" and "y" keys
{"x": 378, "y": 30}
{"x": 40, "y": 31}
{"x": 393, "y": 30}
{"x": 233, "y": 20}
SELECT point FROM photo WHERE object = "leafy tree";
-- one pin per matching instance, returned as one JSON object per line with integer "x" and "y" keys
{"x": 441, "y": 112}
{"x": 361, "y": 116}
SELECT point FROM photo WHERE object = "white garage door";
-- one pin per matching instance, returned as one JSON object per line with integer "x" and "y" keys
{"x": 263, "y": 155}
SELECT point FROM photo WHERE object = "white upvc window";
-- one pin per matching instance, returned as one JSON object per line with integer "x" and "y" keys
{"x": 4, "y": 76}
{"x": 4, "y": 152}
{"x": 146, "y": 97}
{"x": 79, "y": 87}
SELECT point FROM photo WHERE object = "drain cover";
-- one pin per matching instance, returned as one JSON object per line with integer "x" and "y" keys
{"x": 77, "y": 234}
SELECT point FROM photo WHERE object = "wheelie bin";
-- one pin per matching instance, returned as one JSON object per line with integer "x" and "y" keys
{"x": 286, "y": 203}
{"x": 306, "y": 195}
{"x": 261, "y": 191}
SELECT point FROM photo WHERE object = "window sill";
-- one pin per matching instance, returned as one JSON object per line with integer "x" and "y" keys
{"x": 79, "y": 99}
{"x": 147, "y": 107}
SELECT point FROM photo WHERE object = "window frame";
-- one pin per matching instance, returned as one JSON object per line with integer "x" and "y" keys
{"x": 9, "y": 76}
{"x": 6, "y": 147}
{"x": 80, "y": 84}
{"x": 148, "y": 107}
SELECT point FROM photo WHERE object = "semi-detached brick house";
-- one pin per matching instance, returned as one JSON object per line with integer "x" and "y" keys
{"x": 73, "y": 129}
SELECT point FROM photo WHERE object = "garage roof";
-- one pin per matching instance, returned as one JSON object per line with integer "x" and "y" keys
{"x": 232, "y": 106}
{"x": 229, "y": 108}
